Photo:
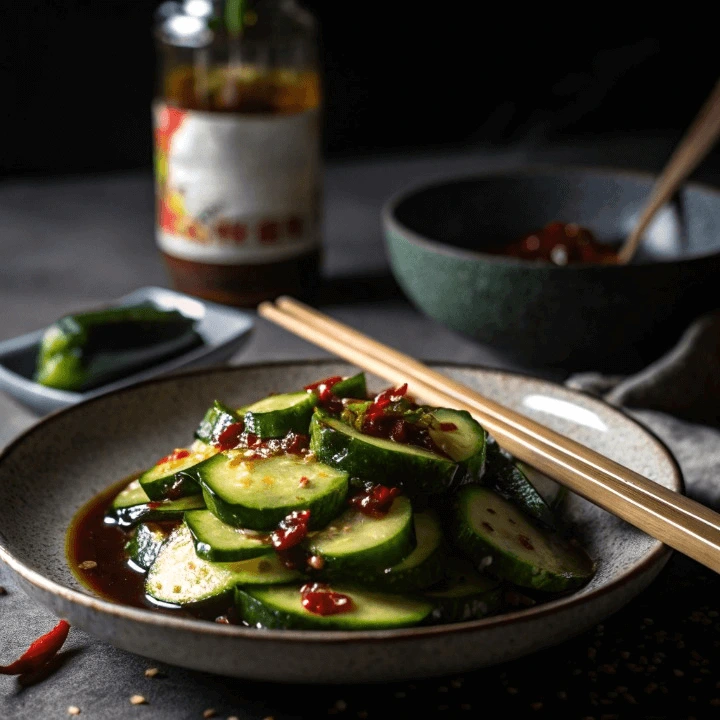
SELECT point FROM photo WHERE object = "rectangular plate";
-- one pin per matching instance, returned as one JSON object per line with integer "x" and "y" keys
{"x": 222, "y": 329}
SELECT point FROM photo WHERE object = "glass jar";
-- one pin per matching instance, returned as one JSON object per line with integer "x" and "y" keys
{"x": 237, "y": 149}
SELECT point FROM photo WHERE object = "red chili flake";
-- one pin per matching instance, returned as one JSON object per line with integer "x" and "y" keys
{"x": 291, "y": 531}
{"x": 525, "y": 542}
{"x": 154, "y": 504}
{"x": 177, "y": 454}
{"x": 229, "y": 438}
{"x": 304, "y": 481}
{"x": 319, "y": 599}
{"x": 375, "y": 500}
{"x": 384, "y": 399}
{"x": 39, "y": 653}
{"x": 295, "y": 443}
{"x": 327, "y": 382}
{"x": 448, "y": 427}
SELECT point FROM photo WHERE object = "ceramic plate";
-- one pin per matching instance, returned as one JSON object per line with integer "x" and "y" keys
{"x": 222, "y": 330}
{"x": 60, "y": 463}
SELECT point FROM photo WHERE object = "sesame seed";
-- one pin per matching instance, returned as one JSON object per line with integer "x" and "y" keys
{"x": 87, "y": 565}
{"x": 233, "y": 717}
{"x": 209, "y": 713}
{"x": 138, "y": 700}
{"x": 152, "y": 672}
{"x": 73, "y": 710}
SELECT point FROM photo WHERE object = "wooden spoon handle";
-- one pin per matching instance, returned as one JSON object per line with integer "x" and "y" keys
{"x": 696, "y": 143}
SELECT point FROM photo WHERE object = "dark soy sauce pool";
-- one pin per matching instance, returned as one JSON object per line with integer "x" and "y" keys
{"x": 90, "y": 538}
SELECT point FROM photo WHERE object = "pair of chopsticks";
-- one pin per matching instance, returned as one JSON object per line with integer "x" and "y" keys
{"x": 668, "y": 516}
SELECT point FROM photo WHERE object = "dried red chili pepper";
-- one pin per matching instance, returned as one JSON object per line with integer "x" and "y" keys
{"x": 39, "y": 653}
{"x": 177, "y": 454}
{"x": 230, "y": 437}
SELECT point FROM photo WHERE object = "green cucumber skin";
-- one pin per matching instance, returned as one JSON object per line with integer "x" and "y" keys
{"x": 354, "y": 386}
{"x": 322, "y": 509}
{"x": 395, "y": 548}
{"x": 418, "y": 475}
{"x": 260, "y": 614}
{"x": 472, "y": 607}
{"x": 503, "y": 475}
{"x": 207, "y": 552}
{"x": 414, "y": 577}
{"x": 216, "y": 419}
{"x": 183, "y": 484}
{"x": 278, "y": 423}
{"x": 504, "y": 564}
{"x": 126, "y": 517}
{"x": 145, "y": 543}
{"x": 474, "y": 465}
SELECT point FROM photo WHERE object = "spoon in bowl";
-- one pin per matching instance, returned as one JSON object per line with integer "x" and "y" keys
{"x": 697, "y": 142}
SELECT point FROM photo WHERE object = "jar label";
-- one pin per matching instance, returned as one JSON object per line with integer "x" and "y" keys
{"x": 236, "y": 189}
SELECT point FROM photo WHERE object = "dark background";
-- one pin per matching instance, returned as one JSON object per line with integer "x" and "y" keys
{"x": 77, "y": 77}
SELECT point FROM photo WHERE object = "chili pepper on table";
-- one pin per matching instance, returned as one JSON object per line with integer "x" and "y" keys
{"x": 40, "y": 652}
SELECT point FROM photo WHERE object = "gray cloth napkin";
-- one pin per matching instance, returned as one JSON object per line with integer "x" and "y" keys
{"x": 678, "y": 397}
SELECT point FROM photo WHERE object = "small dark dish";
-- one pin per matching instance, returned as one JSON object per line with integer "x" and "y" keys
{"x": 579, "y": 316}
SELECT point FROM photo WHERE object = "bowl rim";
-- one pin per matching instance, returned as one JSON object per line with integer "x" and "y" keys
{"x": 657, "y": 555}
{"x": 392, "y": 225}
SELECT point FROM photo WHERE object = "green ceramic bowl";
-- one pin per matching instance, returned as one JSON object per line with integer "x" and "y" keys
{"x": 581, "y": 316}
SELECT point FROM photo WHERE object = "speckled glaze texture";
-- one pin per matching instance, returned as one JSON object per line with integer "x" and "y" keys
{"x": 579, "y": 316}
{"x": 58, "y": 465}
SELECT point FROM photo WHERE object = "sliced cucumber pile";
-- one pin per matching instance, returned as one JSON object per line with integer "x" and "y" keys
{"x": 321, "y": 508}
{"x": 488, "y": 526}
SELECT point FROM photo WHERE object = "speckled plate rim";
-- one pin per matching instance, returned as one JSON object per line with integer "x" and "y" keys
{"x": 390, "y": 221}
{"x": 657, "y": 556}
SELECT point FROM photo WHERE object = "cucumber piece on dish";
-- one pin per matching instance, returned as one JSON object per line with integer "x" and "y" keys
{"x": 351, "y": 387}
{"x": 418, "y": 471}
{"x": 278, "y": 415}
{"x": 218, "y": 417}
{"x": 355, "y": 542}
{"x": 486, "y": 525}
{"x": 281, "y": 607}
{"x": 217, "y": 541}
{"x": 423, "y": 567}
{"x": 175, "y": 476}
{"x": 505, "y": 476}
{"x": 132, "y": 506}
{"x": 464, "y": 594}
{"x": 460, "y": 437}
{"x": 179, "y": 577}
{"x": 258, "y": 494}
{"x": 145, "y": 543}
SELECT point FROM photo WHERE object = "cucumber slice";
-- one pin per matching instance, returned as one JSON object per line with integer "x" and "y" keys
{"x": 281, "y": 607}
{"x": 258, "y": 494}
{"x": 464, "y": 594}
{"x": 488, "y": 525}
{"x": 132, "y": 506}
{"x": 216, "y": 419}
{"x": 175, "y": 477}
{"x": 357, "y": 542}
{"x": 465, "y": 444}
{"x": 218, "y": 542}
{"x": 504, "y": 476}
{"x": 179, "y": 577}
{"x": 145, "y": 543}
{"x": 351, "y": 387}
{"x": 277, "y": 415}
{"x": 418, "y": 471}
{"x": 423, "y": 567}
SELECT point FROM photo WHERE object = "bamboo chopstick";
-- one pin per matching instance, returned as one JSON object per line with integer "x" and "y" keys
{"x": 664, "y": 514}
